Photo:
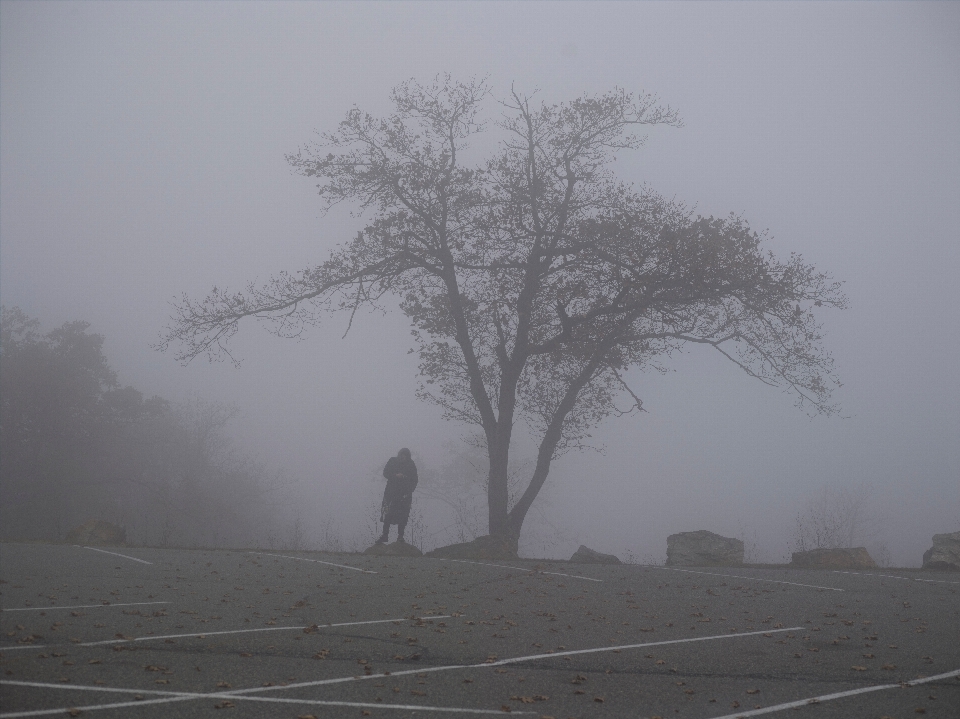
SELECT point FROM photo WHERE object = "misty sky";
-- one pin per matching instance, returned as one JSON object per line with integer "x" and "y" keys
{"x": 142, "y": 156}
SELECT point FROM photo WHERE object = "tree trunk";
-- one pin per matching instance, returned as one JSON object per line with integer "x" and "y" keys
{"x": 497, "y": 490}
{"x": 549, "y": 443}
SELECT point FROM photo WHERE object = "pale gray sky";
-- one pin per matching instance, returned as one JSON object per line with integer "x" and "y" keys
{"x": 141, "y": 156}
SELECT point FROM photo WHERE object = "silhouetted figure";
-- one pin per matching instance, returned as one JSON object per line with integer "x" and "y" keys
{"x": 401, "y": 474}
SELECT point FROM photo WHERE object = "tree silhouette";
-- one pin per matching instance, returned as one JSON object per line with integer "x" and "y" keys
{"x": 534, "y": 279}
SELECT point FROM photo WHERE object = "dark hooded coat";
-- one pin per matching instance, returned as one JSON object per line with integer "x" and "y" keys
{"x": 401, "y": 474}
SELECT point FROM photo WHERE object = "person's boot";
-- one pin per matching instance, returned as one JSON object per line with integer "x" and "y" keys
{"x": 400, "y": 530}
{"x": 384, "y": 536}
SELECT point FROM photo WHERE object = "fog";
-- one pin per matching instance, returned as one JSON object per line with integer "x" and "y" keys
{"x": 142, "y": 157}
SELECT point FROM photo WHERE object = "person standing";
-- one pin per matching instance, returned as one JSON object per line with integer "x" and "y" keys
{"x": 401, "y": 474}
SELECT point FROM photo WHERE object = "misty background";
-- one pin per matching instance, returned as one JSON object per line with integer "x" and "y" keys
{"x": 142, "y": 156}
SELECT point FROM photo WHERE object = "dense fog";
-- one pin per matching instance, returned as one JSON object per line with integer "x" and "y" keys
{"x": 143, "y": 158}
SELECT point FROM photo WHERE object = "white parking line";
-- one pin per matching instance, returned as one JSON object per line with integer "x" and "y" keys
{"x": 594, "y": 650}
{"x": 154, "y": 637}
{"x": 896, "y": 576}
{"x": 752, "y": 579}
{"x": 511, "y": 660}
{"x": 373, "y": 705}
{"x": 167, "y": 697}
{"x": 79, "y": 606}
{"x": 866, "y": 574}
{"x": 92, "y": 707}
{"x": 318, "y": 561}
{"x": 561, "y": 574}
{"x": 520, "y": 569}
{"x": 116, "y": 554}
{"x": 837, "y": 695}
{"x": 243, "y": 694}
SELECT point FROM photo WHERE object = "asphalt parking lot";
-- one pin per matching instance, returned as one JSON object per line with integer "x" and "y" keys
{"x": 140, "y": 632}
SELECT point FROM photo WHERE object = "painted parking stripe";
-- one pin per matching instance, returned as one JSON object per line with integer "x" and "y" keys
{"x": 93, "y": 707}
{"x": 155, "y": 637}
{"x": 837, "y": 695}
{"x": 752, "y": 579}
{"x": 895, "y": 576}
{"x": 117, "y": 554}
{"x": 79, "y": 606}
{"x": 375, "y": 705}
{"x": 98, "y": 688}
{"x": 561, "y": 574}
{"x": 510, "y": 660}
{"x": 594, "y": 650}
{"x": 866, "y": 574}
{"x": 243, "y": 693}
{"x": 317, "y": 561}
{"x": 167, "y": 697}
{"x": 519, "y": 569}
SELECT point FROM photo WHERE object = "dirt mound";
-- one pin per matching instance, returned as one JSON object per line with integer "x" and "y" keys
{"x": 97, "y": 532}
{"x": 486, "y": 547}
{"x": 397, "y": 549}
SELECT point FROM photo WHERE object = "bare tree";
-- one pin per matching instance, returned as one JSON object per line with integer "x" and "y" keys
{"x": 836, "y": 518}
{"x": 535, "y": 279}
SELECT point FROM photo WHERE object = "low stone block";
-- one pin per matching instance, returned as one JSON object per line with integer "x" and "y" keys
{"x": 944, "y": 554}
{"x": 397, "y": 549}
{"x": 585, "y": 555}
{"x": 97, "y": 532}
{"x": 485, "y": 547}
{"x": 703, "y": 549}
{"x": 839, "y": 558}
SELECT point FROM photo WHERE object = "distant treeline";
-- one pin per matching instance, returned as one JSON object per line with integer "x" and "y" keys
{"x": 75, "y": 445}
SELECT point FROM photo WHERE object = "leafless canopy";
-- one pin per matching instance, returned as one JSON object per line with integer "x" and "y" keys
{"x": 536, "y": 278}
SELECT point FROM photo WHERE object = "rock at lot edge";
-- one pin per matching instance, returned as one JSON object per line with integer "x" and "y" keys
{"x": 944, "y": 554}
{"x": 703, "y": 549}
{"x": 838, "y": 558}
{"x": 585, "y": 555}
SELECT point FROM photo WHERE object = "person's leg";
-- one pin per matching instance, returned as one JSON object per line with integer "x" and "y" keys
{"x": 385, "y": 535}
{"x": 400, "y": 529}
